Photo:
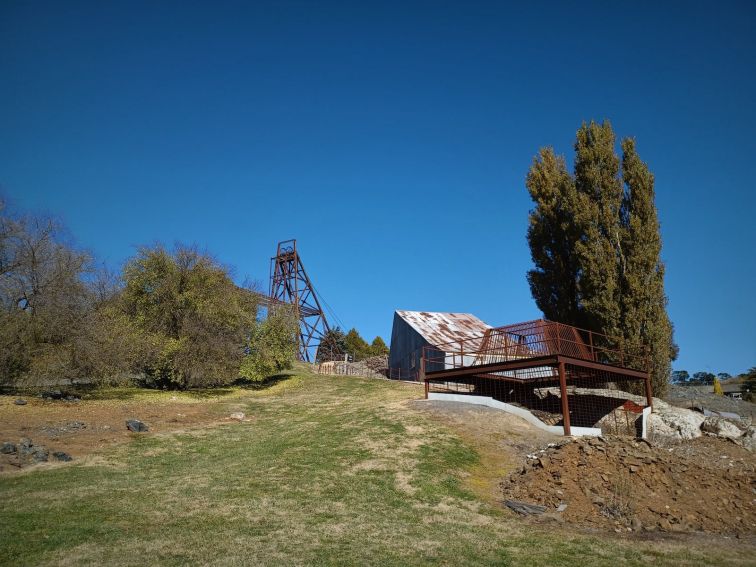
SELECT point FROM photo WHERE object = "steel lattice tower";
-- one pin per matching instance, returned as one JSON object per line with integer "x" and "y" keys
{"x": 289, "y": 284}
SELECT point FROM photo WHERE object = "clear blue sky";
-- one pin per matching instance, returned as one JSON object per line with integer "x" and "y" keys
{"x": 391, "y": 139}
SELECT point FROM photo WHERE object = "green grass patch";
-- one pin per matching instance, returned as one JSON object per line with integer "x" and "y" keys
{"x": 330, "y": 471}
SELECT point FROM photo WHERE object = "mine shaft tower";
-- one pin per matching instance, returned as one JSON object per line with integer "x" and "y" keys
{"x": 289, "y": 284}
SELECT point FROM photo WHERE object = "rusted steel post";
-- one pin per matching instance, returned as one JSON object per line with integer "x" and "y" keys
{"x": 649, "y": 396}
{"x": 565, "y": 402}
{"x": 422, "y": 371}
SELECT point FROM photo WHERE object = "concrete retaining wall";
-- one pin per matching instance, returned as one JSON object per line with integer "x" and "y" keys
{"x": 519, "y": 412}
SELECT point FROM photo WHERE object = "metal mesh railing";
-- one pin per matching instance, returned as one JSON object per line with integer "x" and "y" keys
{"x": 595, "y": 398}
{"x": 531, "y": 340}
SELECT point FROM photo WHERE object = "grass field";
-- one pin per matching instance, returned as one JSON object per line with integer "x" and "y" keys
{"x": 330, "y": 470}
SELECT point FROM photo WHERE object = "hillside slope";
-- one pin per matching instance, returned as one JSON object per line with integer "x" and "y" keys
{"x": 327, "y": 470}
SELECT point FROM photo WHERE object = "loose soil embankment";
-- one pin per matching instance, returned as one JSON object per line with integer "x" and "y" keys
{"x": 621, "y": 484}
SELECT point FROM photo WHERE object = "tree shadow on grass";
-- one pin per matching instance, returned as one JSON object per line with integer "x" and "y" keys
{"x": 130, "y": 392}
{"x": 266, "y": 383}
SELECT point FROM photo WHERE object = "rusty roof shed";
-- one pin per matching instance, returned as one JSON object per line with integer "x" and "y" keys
{"x": 413, "y": 330}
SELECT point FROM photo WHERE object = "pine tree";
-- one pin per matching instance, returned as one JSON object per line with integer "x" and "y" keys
{"x": 595, "y": 242}
{"x": 332, "y": 346}
{"x": 356, "y": 345}
{"x": 378, "y": 347}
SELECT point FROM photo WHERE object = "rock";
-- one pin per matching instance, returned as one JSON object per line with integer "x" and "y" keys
{"x": 25, "y": 446}
{"x": 562, "y": 507}
{"x": 721, "y": 427}
{"x": 52, "y": 395}
{"x": 239, "y": 416}
{"x": 40, "y": 454}
{"x": 20, "y": 402}
{"x": 748, "y": 439}
{"x": 524, "y": 508}
{"x": 676, "y": 423}
{"x": 62, "y": 456}
{"x": 636, "y": 524}
{"x": 8, "y": 448}
{"x": 136, "y": 426}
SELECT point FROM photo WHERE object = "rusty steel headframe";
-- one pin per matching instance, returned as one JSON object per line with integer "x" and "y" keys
{"x": 289, "y": 284}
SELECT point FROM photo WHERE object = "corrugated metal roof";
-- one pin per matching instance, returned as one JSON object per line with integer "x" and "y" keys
{"x": 441, "y": 328}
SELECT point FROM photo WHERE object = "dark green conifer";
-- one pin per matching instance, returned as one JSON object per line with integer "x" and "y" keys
{"x": 595, "y": 242}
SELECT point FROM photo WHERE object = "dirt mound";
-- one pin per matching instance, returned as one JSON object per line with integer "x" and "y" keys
{"x": 623, "y": 484}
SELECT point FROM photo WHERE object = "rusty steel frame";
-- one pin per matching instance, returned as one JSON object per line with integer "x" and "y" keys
{"x": 558, "y": 354}
{"x": 290, "y": 284}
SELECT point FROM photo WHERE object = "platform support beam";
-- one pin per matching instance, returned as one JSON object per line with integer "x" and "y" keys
{"x": 565, "y": 401}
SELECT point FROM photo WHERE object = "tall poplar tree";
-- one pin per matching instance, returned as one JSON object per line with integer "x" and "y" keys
{"x": 598, "y": 226}
{"x": 551, "y": 235}
{"x": 595, "y": 243}
{"x": 643, "y": 301}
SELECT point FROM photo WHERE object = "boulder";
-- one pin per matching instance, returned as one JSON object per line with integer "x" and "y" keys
{"x": 238, "y": 416}
{"x": 40, "y": 454}
{"x": 62, "y": 456}
{"x": 25, "y": 446}
{"x": 8, "y": 448}
{"x": 20, "y": 402}
{"x": 748, "y": 439}
{"x": 136, "y": 426}
{"x": 52, "y": 395}
{"x": 524, "y": 508}
{"x": 721, "y": 428}
{"x": 675, "y": 423}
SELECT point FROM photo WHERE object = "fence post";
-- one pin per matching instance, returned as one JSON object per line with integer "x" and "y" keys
{"x": 565, "y": 402}
{"x": 422, "y": 371}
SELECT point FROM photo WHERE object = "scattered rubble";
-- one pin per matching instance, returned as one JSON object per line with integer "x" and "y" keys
{"x": 624, "y": 484}
{"x": 51, "y": 395}
{"x": 26, "y": 452}
{"x": 58, "y": 395}
{"x": 136, "y": 426}
{"x": 70, "y": 427}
